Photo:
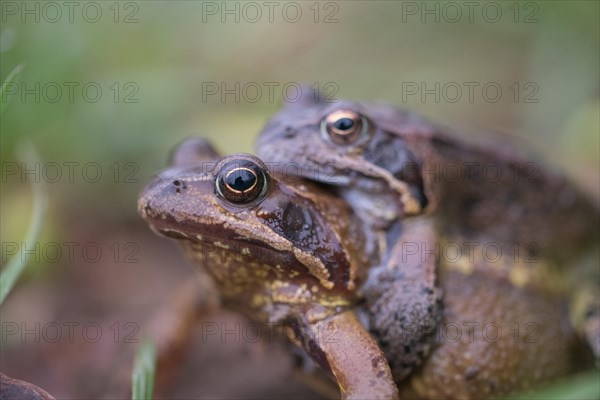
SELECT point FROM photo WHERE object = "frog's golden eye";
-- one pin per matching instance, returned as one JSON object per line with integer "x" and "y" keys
{"x": 344, "y": 127}
{"x": 241, "y": 181}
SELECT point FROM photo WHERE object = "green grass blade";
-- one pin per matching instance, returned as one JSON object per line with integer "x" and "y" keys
{"x": 581, "y": 387}
{"x": 144, "y": 369}
{"x": 13, "y": 269}
{"x": 11, "y": 78}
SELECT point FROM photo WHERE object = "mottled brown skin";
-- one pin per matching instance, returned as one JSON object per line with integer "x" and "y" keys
{"x": 494, "y": 339}
{"x": 404, "y": 170}
{"x": 295, "y": 255}
{"x": 181, "y": 204}
{"x": 342, "y": 346}
{"x": 403, "y": 302}
{"x": 414, "y": 163}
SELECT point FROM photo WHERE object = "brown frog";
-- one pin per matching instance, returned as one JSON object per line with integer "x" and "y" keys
{"x": 398, "y": 170}
{"x": 282, "y": 253}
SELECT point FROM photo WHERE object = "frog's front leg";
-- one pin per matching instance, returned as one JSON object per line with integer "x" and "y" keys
{"x": 342, "y": 346}
{"x": 172, "y": 327}
{"x": 403, "y": 304}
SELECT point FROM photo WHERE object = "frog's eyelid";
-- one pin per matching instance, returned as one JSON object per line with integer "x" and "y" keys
{"x": 207, "y": 177}
{"x": 190, "y": 178}
{"x": 286, "y": 127}
{"x": 193, "y": 178}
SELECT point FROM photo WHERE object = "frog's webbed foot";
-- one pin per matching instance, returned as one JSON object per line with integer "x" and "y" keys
{"x": 585, "y": 314}
{"x": 341, "y": 345}
{"x": 403, "y": 302}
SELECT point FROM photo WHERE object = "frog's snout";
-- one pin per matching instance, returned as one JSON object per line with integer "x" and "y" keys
{"x": 157, "y": 198}
{"x": 156, "y": 204}
{"x": 179, "y": 185}
{"x": 149, "y": 201}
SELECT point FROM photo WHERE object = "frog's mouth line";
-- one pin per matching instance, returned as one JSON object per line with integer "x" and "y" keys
{"x": 193, "y": 215}
{"x": 339, "y": 173}
{"x": 219, "y": 240}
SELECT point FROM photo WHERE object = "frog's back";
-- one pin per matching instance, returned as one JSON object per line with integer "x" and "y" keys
{"x": 494, "y": 339}
{"x": 495, "y": 185}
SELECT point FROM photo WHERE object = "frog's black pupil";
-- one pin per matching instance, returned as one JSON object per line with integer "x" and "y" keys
{"x": 240, "y": 180}
{"x": 343, "y": 124}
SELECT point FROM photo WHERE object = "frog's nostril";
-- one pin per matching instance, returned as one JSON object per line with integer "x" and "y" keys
{"x": 179, "y": 185}
{"x": 289, "y": 132}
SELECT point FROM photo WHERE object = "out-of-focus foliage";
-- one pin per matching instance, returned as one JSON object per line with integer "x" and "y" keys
{"x": 153, "y": 59}
{"x": 142, "y": 378}
{"x": 372, "y": 52}
{"x": 582, "y": 387}
{"x": 11, "y": 79}
{"x": 14, "y": 268}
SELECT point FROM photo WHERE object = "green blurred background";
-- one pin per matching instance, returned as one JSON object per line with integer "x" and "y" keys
{"x": 151, "y": 60}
